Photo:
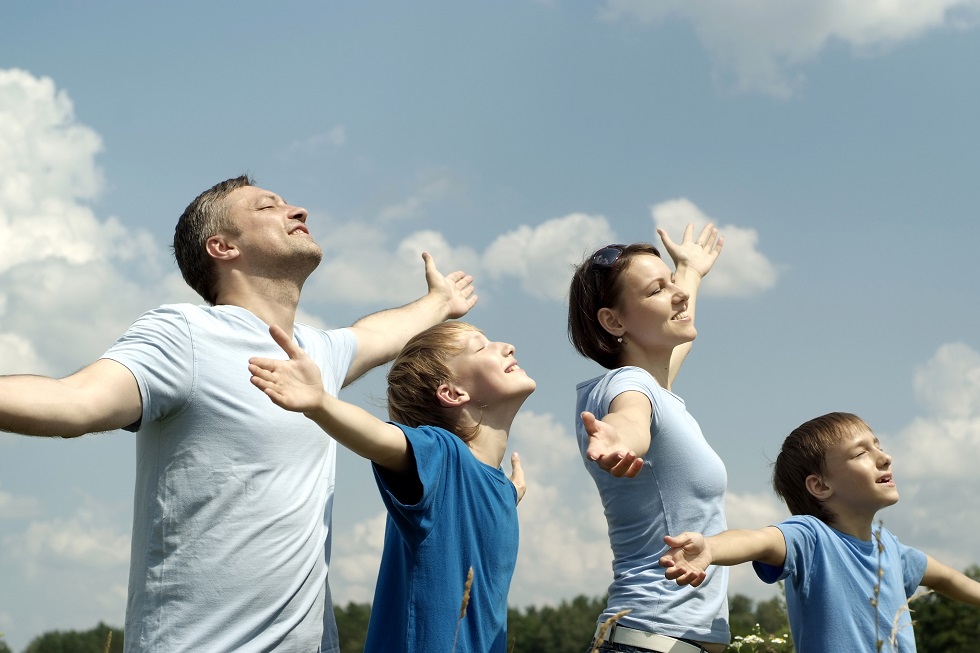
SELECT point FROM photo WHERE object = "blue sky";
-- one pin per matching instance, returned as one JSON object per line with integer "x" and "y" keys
{"x": 836, "y": 146}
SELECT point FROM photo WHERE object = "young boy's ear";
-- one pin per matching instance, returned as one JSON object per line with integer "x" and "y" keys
{"x": 450, "y": 396}
{"x": 815, "y": 485}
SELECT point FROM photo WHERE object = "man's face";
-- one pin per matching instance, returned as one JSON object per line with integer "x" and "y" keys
{"x": 270, "y": 232}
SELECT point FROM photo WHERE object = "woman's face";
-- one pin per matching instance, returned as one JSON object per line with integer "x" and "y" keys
{"x": 652, "y": 311}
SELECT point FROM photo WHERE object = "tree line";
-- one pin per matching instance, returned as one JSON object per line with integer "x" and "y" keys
{"x": 941, "y": 626}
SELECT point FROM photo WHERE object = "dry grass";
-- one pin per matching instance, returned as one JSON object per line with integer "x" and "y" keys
{"x": 601, "y": 637}
{"x": 466, "y": 601}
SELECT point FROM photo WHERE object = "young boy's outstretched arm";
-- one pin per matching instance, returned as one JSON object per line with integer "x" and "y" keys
{"x": 296, "y": 384}
{"x": 950, "y": 582}
{"x": 692, "y": 553}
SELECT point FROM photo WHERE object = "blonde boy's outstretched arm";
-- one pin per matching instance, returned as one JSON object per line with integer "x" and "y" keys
{"x": 296, "y": 384}
{"x": 950, "y": 582}
{"x": 692, "y": 553}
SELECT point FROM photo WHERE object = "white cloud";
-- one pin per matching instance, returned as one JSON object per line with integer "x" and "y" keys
{"x": 435, "y": 187}
{"x": 366, "y": 270}
{"x": 763, "y": 43}
{"x": 12, "y": 506}
{"x": 355, "y": 560}
{"x": 564, "y": 547}
{"x": 57, "y": 258}
{"x": 334, "y": 137}
{"x": 544, "y": 257}
{"x": 84, "y": 555}
{"x": 741, "y": 268}
{"x": 949, "y": 384}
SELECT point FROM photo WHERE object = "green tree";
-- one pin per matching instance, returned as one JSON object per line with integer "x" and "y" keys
{"x": 73, "y": 641}
{"x": 942, "y": 624}
{"x": 3, "y": 645}
{"x": 352, "y": 625}
{"x": 741, "y": 614}
{"x": 569, "y": 627}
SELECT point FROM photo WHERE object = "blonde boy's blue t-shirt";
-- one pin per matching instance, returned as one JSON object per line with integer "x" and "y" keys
{"x": 466, "y": 517}
{"x": 830, "y": 579}
{"x": 681, "y": 487}
{"x": 234, "y": 495}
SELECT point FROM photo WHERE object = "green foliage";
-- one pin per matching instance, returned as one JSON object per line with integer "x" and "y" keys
{"x": 352, "y": 625}
{"x": 73, "y": 641}
{"x": 945, "y": 625}
{"x": 3, "y": 645}
{"x": 759, "y": 628}
{"x": 568, "y": 627}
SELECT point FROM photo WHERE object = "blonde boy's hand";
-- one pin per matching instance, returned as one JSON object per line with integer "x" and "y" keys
{"x": 687, "y": 559}
{"x": 294, "y": 384}
{"x": 517, "y": 476}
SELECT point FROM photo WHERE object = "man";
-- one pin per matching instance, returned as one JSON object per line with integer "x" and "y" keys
{"x": 231, "y": 530}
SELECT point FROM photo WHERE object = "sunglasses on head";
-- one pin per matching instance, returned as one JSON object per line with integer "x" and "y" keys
{"x": 607, "y": 256}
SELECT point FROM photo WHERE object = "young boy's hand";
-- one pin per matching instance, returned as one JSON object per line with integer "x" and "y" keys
{"x": 606, "y": 448}
{"x": 295, "y": 384}
{"x": 687, "y": 559}
{"x": 517, "y": 476}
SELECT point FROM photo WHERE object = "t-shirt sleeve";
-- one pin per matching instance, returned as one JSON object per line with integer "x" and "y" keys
{"x": 433, "y": 450}
{"x": 332, "y": 350}
{"x": 628, "y": 379}
{"x": 159, "y": 352}
{"x": 801, "y": 538}
{"x": 913, "y": 567}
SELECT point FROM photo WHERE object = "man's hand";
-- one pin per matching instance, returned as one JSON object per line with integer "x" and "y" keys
{"x": 517, "y": 476}
{"x": 606, "y": 448}
{"x": 687, "y": 559}
{"x": 455, "y": 288}
{"x": 697, "y": 254}
{"x": 294, "y": 384}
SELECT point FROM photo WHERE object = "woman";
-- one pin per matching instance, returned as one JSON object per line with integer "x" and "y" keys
{"x": 654, "y": 471}
{"x": 452, "y": 512}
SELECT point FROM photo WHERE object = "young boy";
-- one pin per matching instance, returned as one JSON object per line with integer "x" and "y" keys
{"x": 452, "y": 528}
{"x": 847, "y": 584}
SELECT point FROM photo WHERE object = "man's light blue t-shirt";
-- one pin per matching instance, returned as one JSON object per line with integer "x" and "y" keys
{"x": 231, "y": 524}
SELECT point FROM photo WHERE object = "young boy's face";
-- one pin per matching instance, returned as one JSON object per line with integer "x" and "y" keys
{"x": 858, "y": 474}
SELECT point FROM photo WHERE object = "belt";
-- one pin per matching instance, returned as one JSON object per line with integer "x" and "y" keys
{"x": 649, "y": 641}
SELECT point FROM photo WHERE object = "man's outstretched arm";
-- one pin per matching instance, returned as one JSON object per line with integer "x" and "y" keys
{"x": 101, "y": 397}
{"x": 380, "y": 336}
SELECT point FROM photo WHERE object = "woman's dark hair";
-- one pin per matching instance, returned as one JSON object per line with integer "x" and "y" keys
{"x": 597, "y": 284}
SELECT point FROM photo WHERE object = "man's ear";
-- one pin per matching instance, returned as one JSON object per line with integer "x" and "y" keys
{"x": 816, "y": 486}
{"x": 609, "y": 321}
{"x": 218, "y": 247}
{"x": 451, "y": 397}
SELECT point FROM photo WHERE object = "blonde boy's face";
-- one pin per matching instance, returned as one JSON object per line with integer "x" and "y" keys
{"x": 488, "y": 371}
{"x": 859, "y": 475}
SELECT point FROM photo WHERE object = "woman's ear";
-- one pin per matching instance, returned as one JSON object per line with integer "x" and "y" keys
{"x": 816, "y": 486}
{"x": 451, "y": 397}
{"x": 219, "y": 248}
{"x": 609, "y": 321}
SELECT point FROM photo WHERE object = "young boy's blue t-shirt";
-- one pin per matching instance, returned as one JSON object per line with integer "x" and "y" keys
{"x": 830, "y": 579}
{"x": 466, "y": 517}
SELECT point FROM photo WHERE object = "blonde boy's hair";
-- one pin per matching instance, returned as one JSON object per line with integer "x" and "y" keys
{"x": 419, "y": 370}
